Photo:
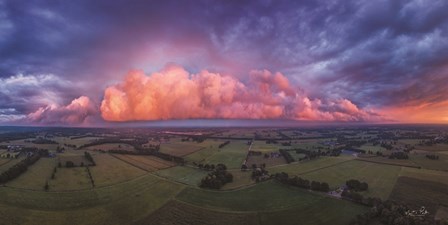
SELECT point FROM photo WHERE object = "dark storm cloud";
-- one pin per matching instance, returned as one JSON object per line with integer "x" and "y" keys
{"x": 374, "y": 53}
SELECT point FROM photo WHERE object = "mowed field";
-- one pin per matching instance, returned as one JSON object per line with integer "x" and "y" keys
{"x": 275, "y": 204}
{"x": 36, "y": 175}
{"x": 110, "y": 170}
{"x": 111, "y": 146}
{"x": 381, "y": 178}
{"x": 231, "y": 155}
{"x": 146, "y": 163}
{"x": 182, "y": 148}
{"x": 307, "y": 166}
{"x": 123, "y": 203}
{"x": 183, "y": 174}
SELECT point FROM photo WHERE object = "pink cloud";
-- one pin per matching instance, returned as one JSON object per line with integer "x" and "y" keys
{"x": 174, "y": 93}
{"x": 79, "y": 112}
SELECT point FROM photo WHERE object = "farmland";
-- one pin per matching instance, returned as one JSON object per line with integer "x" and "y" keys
{"x": 155, "y": 177}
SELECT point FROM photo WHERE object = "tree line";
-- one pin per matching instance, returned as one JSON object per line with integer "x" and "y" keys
{"x": 19, "y": 168}
{"x": 224, "y": 144}
{"x": 302, "y": 183}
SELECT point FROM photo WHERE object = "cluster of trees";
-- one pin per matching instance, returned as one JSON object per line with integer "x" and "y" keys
{"x": 387, "y": 146}
{"x": 398, "y": 155}
{"x": 89, "y": 158}
{"x": 255, "y": 153}
{"x": 302, "y": 183}
{"x": 390, "y": 212}
{"x": 217, "y": 178}
{"x": 433, "y": 157}
{"x": 259, "y": 173}
{"x": 358, "y": 198}
{"x": 286, "y": 143}
{"x": 357, "y": 185}
{"x": 19, "y": 168}
{"x": 43, "y": 141}
{"x": 286, "y": 155}
{"x": 206, "y": 167}
{"x": 224, "y": 144}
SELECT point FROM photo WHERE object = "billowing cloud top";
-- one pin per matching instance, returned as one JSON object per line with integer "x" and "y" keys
{"x": 173, "y": 93}
{"x": 337, "y": 60}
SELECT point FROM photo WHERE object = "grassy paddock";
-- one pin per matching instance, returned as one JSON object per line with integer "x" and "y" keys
{"x": 232, "y": 155}
{"x": 183, "y": 174}
{"x": 381, "y": 178}
{"x": 69, "y": 179}
{"x": 110, "y": 170}
{"x": 36, "y": 175}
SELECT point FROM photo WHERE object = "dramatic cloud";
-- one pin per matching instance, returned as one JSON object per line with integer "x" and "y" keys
{"x": 382, "y": 55}
{"x": 80, "y": 111}
{"x": 173, "y": 93}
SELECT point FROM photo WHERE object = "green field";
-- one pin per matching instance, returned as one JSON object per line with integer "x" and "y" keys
{"x": 69, "y": 179}
{"x": 109, "y": 170}
{"x": 381, "y": 178}
{"x": 144, "y": 189}
{"x": 114, "y": 146}
{"x": 417, "y": 193}
{"x": 36, "y": 176}
{"x": 425, "y": 174}
{"x": 232, "y": 155}
{"x": 183, "y": 174}
{"x": 309, "y": 165}
{"x": 421, "y": 160}
{"x": 183, "y": 148}
{"x": 276, "y": 204}
{"x": 117, "y": 204}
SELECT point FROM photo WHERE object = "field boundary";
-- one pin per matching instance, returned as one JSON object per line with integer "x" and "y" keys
{"x": 391, "y": 164}
{"x": 129, "y": 163}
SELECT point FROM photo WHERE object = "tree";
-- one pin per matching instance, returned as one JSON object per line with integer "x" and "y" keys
{"x": 46, "y": 186}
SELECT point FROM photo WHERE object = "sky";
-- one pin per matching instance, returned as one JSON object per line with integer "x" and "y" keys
{"x": 93, "y": 63}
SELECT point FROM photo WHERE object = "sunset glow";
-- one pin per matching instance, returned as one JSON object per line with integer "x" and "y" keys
{"x": 78, "y": 65}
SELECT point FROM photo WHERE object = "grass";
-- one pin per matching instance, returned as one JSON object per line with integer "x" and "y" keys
{"x": 421, "y": 160}
{"x": 387, "y": 161}
{"x": 259, "y": 159}
{"x": 176, "y": 212}
{"x": 202, "y": 155}
{"x": 69, "y": 179}
{"x": 183, "y": 174}
{"x": 262, "y": 197}
{"x": 240, "y": 179}
{"x": 146, "y": 163}
{"x": 36, "y": 175}
{"x": 323, "y": 211}
{"x": 7, "y": 163}
{"x": 109, "y": 170}
{"x": 417, "y": 193}
{"x": 232, "y": 155}
{"x": 433, "y": 148}
{"x": 112, "y": 146}
{"x": 275, "y": 204}
{"x": 425, "y": 174}
{"x": 265, "y": 148}
{"x": 182, "y": 148}
{"x": 381, "y": 178}
{"x": 309, "y": 165}
{"x": 117, "y": 204}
